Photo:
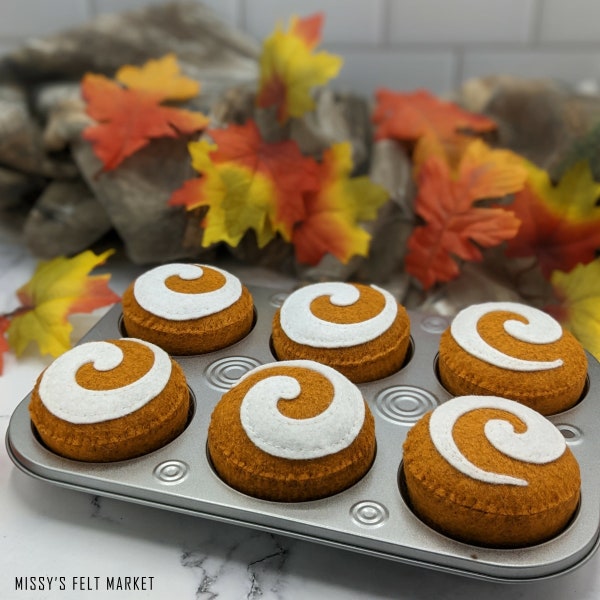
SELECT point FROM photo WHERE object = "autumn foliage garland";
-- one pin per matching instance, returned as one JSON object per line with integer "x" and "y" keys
{"x": 59, "y": 288}
{"x": 458, "y": 177}
{"x": 247, "y": 183}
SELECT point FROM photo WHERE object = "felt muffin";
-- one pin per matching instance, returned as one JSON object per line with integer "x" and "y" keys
{"x": 110, "y": 400}
{"x": 360, "y": 330}
{"x": 490, "y": 471}
{"x": 188, "y": 308}
{"x": 515, "y": 351}
{"x": 290, "y": 432}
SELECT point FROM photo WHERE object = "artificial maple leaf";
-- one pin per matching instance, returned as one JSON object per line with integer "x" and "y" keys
{"x": 454, "y": 226}
{"x": 578, "y": 310}
{"x": 333, "y": 212}
{"x": 409, "y": 116}
{"x": 160, "y": 78}
{"x": 560, "y": 223}
{"x": 4, "y": 347}
{"x": 429, "y": 144}
{"x": 58, "y": 288}
{"x": 247, "y": 183}
{"x": 129, "y": 118}
{"x": 289, "y": 69}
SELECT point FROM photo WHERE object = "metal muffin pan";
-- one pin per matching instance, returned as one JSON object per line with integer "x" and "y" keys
{"x": 371, "y": 517}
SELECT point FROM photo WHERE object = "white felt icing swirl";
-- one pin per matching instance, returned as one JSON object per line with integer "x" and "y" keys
{"x": 326, "y": 433}
{"x": 153, "y": 295}
{"x": 540, "y": 443}
{"x": 541, "y": 329}
{"x": 65, "y": 398}
{"x": 303, "y": 327}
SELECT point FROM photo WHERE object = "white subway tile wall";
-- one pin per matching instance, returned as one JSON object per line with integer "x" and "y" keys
{"x": 399, "y": 44}
{"x": 461, "y": 22}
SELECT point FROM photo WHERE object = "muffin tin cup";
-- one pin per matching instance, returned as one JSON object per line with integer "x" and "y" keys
{"x": 372, "y": 516}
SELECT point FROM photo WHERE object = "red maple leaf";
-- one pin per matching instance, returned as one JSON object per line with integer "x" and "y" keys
{"x": 333, "y": 213}
{"x": 454, "y": 226}
{"x": 248, "y": 183}
{"x": 282, "y": 162}
{"x": 558, "y": 243}
{"x": 129, "y": 118}
{"x": 409, "y": 116}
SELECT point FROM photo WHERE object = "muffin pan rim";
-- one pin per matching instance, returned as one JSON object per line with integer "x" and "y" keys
{"x": 395, "y": 533}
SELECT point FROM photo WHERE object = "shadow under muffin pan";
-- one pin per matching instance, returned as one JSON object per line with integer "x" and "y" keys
{"x": 371, "y": 516}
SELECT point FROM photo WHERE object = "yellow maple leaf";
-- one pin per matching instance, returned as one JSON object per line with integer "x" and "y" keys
{"x": 579, "y": 311}
{"x": 58, "y": 288}
{"x": 560, "y": 222}
{"x": 573, "y": 198}
{"x": 247, "y": 183}
{"x": 335, "y": 209}
{"x": 161, "y": 78}
{"x": 239, "y": 199}
{"x": 289, "y": 69}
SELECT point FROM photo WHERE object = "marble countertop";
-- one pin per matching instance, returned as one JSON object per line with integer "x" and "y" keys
{"x": 75, "y": 541}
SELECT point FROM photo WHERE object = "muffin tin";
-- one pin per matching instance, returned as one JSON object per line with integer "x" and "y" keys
{"x": 372, "y": 516}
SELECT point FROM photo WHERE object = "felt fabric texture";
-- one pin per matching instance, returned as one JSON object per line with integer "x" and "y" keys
{"x": 148, "y": 428}
{"x": 247, "y": 468}
{"x": 536, "y": 328}
{"x": 65, "y": 398}
{"x": 548, "y": 391}
{"x": 363, "y": 314}
{"x": 487, "y": 514}
{"x": 535, "y": 440}
{"x": 156, "y": 291}
{"x": 362, "y": 362}
{"x": 331, "y": 430}
{"x": 193, "y": 336}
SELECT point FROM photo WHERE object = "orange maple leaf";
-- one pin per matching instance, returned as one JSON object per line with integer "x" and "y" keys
{"x": 454, "y": 227}
{"x": 247, "y": 183}
{"x": 334, "y": 211}
{"x": 282, "y": 162}
{"x": 129, "y": 118}
{"x": 560, "y": 223}
{"x": 409, "y": 116}
{"x": 59, "y": 287}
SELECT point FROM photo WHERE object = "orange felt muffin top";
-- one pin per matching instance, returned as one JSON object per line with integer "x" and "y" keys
{"x": 188, "y": 309}
{"x": 490, "y": 471}
{"x": 85, "y": 411}
{"x": 292, "y": 431}
{"x": 514, "y": 351}
{"x": 359, "y": 330}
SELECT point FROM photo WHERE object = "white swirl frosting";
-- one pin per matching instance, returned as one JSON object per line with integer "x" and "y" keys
{"x": 302, "y": 326}
{"x": 326, "y": 433}
{"x": 153, "y": 295}
{"x": 540, "y": 329}
{"x": 66, "y": 399}
{"x": 540, "y": 443}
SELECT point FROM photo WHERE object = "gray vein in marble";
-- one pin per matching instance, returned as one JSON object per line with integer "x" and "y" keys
{"x": 257, "y": 568}
{"x": 188, "y": 559}
{"x": 98, "y": 512}
{"x": 255, "y": 560}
